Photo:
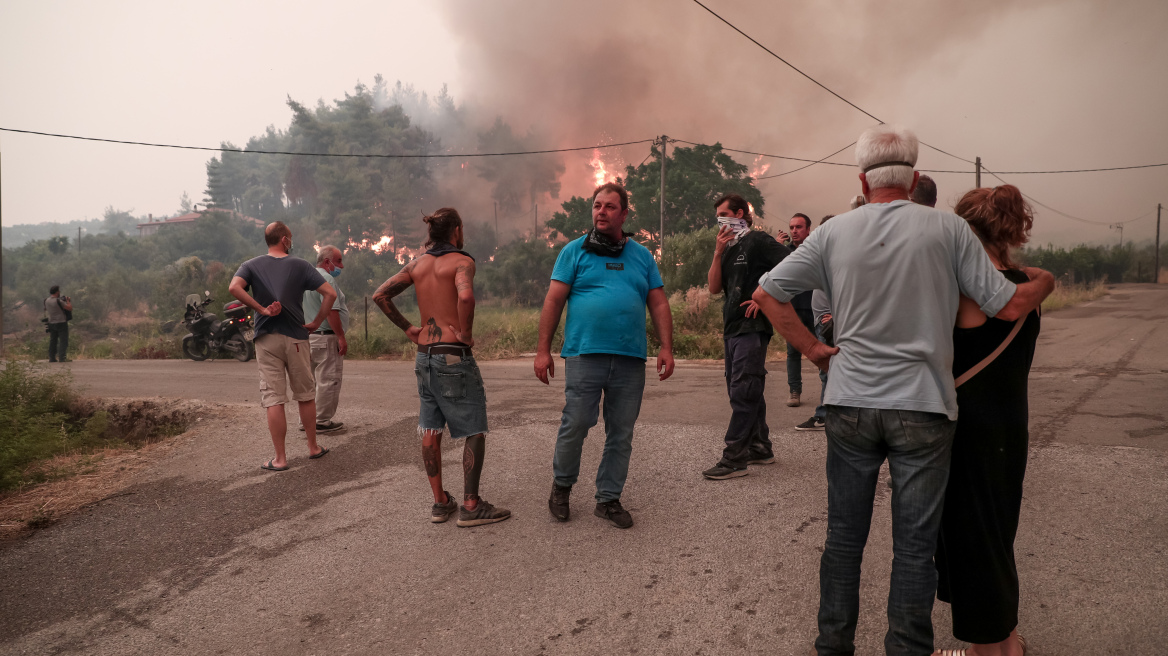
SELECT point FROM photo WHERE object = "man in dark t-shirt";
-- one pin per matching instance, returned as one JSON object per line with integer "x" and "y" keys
{"x": 278, "y": 282}
{"x": 741, "y": 257}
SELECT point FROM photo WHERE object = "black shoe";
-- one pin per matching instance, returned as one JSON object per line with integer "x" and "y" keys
{"x": 442, "y": 511}
{"x": 558, "y": 502}
{"x": 613, "y": 512}
{"x": 484, "y": 513}
{"x": 329, "y": 426}
{"x": 761, "y": 460}
{"x": 721, "y": 472}
{"x": 814, "y": 423}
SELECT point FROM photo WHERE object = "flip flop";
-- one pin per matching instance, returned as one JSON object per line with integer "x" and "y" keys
{"x": 319, "y": 455}
{"x": 270, "y": 467}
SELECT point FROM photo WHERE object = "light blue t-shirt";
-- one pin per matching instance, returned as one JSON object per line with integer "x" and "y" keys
{"x": 893, "y": 274}
{"x": 606, "y": 305}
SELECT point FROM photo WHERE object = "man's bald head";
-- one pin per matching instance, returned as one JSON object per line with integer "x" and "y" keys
{"x": 276, "y": 231}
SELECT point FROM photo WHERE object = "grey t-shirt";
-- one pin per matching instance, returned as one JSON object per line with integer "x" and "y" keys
{"x": 283, "y": 279}
{"x": 313, "y": 300}
{"x": 893, "y": 274}
{"x": 55, "y": 310}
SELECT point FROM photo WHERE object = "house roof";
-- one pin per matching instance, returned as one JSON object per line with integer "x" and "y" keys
{"x": 195, "y": 216}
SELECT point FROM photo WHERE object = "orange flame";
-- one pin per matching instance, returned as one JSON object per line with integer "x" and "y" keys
{"x": 758, "y": 169}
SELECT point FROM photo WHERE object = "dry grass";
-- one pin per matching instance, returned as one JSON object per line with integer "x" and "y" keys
{"x": 1068, "y": 295}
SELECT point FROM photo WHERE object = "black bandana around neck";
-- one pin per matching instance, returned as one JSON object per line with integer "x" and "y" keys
{"x": 445, "y": 248}
{"x": 603, "y": 245}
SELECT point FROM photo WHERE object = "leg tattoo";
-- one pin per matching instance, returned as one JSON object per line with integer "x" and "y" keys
{"x": 472, "y": 464}
{"x": 432, "y": 453}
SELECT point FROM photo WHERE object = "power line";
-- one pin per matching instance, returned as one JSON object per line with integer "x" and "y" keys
{"x": 789, "y": 64}
{"x": 1060, "y": 212}
{"x": 805, "y": 166}
{"x": 818, "y": 83}
{"x": 364, "y": 155}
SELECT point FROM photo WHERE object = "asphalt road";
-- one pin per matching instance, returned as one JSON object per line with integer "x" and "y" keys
{"x": 205, "y": 553}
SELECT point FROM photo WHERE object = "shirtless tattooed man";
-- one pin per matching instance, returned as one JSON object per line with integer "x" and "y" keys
{"x": 449, "y": 383}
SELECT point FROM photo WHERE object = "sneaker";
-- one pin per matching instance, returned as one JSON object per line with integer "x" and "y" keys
{"x": 761, "y": 460}
{"x": 484, "y": 513}
{"x": 558, "y": 502}
{"x": 613, "y": 512}
{"x": 814, "y": 423}
{"x": 793, "y": 400}
{"x": 329, "y": 426}
{"x": 442, "y": 511}
{"x": 721, "y": 472}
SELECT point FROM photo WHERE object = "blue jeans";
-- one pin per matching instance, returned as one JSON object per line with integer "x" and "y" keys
{"x": 451, "y": 394}
{"x": 918, "y": 446}
{"x": 621, "y": 379}
{"x": 795, "y": 358}
{"x": 821, "y": 410}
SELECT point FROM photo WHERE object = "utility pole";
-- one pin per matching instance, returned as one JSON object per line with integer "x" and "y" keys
{"x": 1156, "y": 275}
{"x": 535, "y": 230}
{"x": 1119, "y": 227}
{"x": 496, "y": 225}
{"x": 977, "y": 178}
{"x": 393, "y": 247}
{"x": 661, "y": 195}
{"x": 79, "y": 240}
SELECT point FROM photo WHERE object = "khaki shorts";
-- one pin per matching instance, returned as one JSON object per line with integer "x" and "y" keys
{"x": 284, "y": 362}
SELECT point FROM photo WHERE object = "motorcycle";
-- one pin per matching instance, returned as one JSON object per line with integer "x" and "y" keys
{"x": 209, "y": 335}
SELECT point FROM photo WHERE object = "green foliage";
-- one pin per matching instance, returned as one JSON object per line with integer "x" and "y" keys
{"x": 687, "y": 259}
{"x": 58, "y": 245}
{"x": 516, "y": 179}
{"x": 574, "y": 221}
{"x": 34, "y": 420}
{"x": 1086, "y": 264}
{"x": 695, "y": 177}
{"x": 520, "y": 272}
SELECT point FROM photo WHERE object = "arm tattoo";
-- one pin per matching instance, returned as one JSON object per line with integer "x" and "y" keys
{"x": 383, "y": 297}
{"x": 464, "y": 276}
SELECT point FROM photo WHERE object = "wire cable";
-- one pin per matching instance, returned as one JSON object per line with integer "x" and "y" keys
{"x": 812, "y": 161}
{"x": 363, "y": 155}
{"x": 806, "y": 166}
{"x": 1060, "y": 212}
{"x": 818, "y": 83}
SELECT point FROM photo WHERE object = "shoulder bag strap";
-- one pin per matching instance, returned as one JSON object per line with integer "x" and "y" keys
{"x": 992, "y": 356}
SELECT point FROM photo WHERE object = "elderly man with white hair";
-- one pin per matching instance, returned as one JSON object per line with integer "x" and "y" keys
{"x": 328, "y": 342}
{"x": 894, "y": 272}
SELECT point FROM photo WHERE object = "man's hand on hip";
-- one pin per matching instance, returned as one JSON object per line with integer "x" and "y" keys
{"x": 820, "y": 354}
{"x": 272, "y": 310}
{"x": 414, "y": 333}
{"x": 545, "y": 367}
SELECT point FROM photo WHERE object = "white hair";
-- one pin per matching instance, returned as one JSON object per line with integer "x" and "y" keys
{"x": 326, "y": 253}
{"x": 887, "y": 143}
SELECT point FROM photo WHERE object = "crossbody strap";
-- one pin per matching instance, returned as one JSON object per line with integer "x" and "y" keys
{"x": 992, "y": 356}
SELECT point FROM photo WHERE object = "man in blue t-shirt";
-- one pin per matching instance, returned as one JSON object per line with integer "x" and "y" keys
{"x": 284, "y": 356}
{"x": 606, "y": 280}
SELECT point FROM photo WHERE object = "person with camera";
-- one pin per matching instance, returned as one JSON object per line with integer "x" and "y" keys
{"x": 58, "y": 312}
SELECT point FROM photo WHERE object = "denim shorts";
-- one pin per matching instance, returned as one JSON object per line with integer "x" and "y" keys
{"x": 450, "y": 389}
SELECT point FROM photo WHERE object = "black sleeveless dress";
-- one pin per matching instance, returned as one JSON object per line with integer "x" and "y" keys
{"x": 975, "y": 549}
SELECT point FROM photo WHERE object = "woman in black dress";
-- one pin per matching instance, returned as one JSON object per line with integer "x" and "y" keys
{"x": 975, "y": 550}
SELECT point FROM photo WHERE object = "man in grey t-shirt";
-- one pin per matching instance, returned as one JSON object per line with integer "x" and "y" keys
{"x": 57, "y": 324}
{"x": 278, "y": 282}
{"x": 894, "y": 272}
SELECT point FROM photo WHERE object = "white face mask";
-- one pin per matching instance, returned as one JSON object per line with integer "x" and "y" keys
{"x": 739, "y": 226}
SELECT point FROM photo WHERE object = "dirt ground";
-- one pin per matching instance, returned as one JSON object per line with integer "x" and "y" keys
{"x": 202, "y": 552}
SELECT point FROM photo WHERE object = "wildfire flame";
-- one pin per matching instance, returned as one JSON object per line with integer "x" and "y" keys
{"x": 758, "y": 169}
{"x": 599, "y": 170}
{"x": 382, "y": 246}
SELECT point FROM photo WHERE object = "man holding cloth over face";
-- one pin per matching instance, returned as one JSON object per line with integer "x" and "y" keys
{"x": 741, "y": 257}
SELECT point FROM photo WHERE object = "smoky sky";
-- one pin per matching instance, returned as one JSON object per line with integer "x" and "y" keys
{"x": 1040, "y": 85}
{"x": 1024, "y": 85}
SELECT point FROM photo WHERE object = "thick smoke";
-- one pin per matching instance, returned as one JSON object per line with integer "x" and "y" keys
{"x": 582, "y": 73}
